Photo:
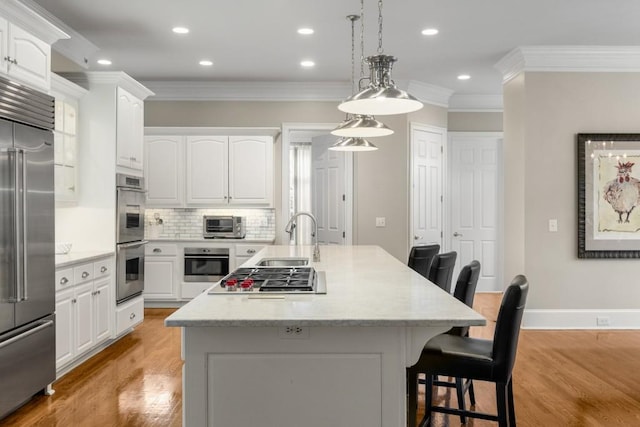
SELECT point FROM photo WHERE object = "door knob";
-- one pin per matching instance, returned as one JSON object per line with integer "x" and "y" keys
{"x": 456, "y": 234}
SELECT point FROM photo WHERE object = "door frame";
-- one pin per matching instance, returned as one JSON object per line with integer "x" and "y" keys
{"x": 442, "y": 131}
{"x": 499, "y": 137}
{"x": 289, "y": 129}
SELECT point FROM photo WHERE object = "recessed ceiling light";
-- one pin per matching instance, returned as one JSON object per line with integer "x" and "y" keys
{"x": 464, "y": 77}
{"x": 429, "y": 32}
{"x": 104, "y": 62}
{"x": 206, "y": 63}
{"x": 180, "y": 30}
{"x": 307, "y": 64}
{"x": 305, "y": 31}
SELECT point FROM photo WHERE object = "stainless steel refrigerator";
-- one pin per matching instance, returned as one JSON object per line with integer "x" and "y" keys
{"x": 27, "y": 264}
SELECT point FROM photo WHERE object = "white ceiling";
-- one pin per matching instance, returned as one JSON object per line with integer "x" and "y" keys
{"x": 256, "y": 40}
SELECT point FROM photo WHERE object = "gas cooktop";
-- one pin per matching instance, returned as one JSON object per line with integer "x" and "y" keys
{"x": 287, "y": 280}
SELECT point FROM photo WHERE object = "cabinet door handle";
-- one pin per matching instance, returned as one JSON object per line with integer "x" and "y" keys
{"x": 132, "y": 316}
{"x": 157, "y": 250}
{"x": 64, "y": 281}
{"x": 103, "y": 269}
{"x": 98, "y": 292}
{"x": 251, "y": 251}
{"x": 74, "y": 300}
{"x": 85, "y": 274}
{"x": 94, "y": 293}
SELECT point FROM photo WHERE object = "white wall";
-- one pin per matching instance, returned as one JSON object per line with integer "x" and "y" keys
{"x": 543, "y": 113}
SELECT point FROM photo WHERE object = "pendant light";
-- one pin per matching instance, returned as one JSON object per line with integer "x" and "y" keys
{"x": 381, "y": 97}
{"x": 353, "y": 144}
{"x": 354, "y": 129}
{"x": 359, "y": 125}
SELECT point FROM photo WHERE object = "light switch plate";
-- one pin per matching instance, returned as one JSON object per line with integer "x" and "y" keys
{"x": 381, "y": 221}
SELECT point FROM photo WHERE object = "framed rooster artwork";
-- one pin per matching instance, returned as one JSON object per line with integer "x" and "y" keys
{"x": 608, "y": 195}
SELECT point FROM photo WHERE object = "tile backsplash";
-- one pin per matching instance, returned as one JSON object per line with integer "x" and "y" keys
{"x": 185, "y": 224}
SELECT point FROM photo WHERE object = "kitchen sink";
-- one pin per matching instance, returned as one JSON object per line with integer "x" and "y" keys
{"x": 282, "y": 262}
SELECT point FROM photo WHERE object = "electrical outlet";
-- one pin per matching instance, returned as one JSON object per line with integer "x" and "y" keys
{"x": 602, "y": 321}
{"x": 553, "y": 225}
{"x": 381, "y": 221}
{"x": 294, "y": 332}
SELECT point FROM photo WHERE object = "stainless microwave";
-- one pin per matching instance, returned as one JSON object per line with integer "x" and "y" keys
{"x": 223, "y": 227}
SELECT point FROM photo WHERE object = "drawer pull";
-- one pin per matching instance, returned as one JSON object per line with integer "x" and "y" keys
{"x": 85, "y": 274}
{"x": 251, "y": 251}
{"x": 64, "y": 281}
{"x": 132, "y": 316}
{"x": 103, "y": 269}
{"x": 157, "y": 250}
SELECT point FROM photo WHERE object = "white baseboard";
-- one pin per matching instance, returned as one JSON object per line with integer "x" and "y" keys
{"x": 581, "y": 319}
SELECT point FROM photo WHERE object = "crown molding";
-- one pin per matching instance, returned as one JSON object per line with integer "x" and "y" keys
{"x": 74, "y": 47}
{"x": 247, "y": 91}
{"x": 569, "y": 59}
{"x": 430, "y": 94}
{"x": 20, "y": 14}
{"x": 476, "y": 103}
{"x": 278, "y": 91}
{"x": 117, "y": 78}
{"x": 60, "y": 84}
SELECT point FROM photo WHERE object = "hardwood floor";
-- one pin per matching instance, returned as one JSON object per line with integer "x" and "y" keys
{"x": 135, "y": 382}
{"x": 561, "y": 378}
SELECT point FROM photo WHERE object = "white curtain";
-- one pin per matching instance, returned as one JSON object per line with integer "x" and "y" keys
{"x": 300, "y": 191}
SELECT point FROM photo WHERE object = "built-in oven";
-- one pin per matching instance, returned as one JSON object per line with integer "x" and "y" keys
{"x": 130, "y": 204}
{"x": 130, "y": 197}
{"x": 205, "y": 264}
{"x": 130, "y": 270}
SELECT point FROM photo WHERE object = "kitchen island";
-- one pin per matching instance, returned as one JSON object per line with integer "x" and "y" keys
{"x": 336, "y": 359}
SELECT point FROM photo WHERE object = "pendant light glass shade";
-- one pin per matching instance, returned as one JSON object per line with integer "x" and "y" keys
{"x": 353, "y": 144}
{"x": 381, "y": 97}
{"x": 362, "y": 126}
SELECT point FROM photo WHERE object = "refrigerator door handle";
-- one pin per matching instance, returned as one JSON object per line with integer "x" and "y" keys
{"x": 23, "y": 335}
{"x": 25, "y": 258}
{"x": 12, "y": 155}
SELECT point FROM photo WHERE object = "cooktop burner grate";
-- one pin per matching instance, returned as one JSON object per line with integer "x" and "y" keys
{"x": 269, "y": 279}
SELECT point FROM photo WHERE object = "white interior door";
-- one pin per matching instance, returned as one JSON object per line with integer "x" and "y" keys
{"x": 328, "y": 190}
{"x": 426, "y": 185}
{"x": 475, "y": 205}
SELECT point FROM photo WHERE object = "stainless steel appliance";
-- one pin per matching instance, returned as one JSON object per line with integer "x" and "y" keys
{"x": 205, "y": 264}
{"x": 223, "y": 227}
{"x": 27, "y": 245}
{"x": 282, "y": 280}
{"x": 130, "y": 197}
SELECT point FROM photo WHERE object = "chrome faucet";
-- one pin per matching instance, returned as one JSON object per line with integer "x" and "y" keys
{"x": 292, "y": 224}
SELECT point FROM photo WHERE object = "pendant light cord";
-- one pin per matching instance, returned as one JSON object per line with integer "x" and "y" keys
{"x": 361, "y": 39}
{"x": 353, "y": 56}
{"x": 380, "y": 49}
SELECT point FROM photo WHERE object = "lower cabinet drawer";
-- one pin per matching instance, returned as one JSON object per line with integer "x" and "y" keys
{"x": 192, "y": 290}
{"x": 129, "y": 314}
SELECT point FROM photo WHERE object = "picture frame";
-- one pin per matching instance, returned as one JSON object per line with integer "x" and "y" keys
{"x": 608, "y": 195}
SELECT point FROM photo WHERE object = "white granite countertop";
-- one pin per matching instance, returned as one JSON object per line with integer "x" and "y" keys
{"x": 77, "y": 257}
{"x": 366, "y": 286}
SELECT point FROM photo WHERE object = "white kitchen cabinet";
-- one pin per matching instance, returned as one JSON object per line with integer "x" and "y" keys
{"x": 84, "y": 309}
{"x": 164, "y": 170}
{"x": 24, "y": 57}
{"x": 25, "y": 45}
{"x": 129, "y": 314}
{"x": 67, "y": 95}
{"x": 129, "y": 130}
{"x": 208, "y": 170}
{"x": 160, "y": 269}
{"x": 250, "y": 159}
{"x": 244, "y": 252}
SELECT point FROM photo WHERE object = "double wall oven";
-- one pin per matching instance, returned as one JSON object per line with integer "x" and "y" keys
{"x": 130, "y": 196}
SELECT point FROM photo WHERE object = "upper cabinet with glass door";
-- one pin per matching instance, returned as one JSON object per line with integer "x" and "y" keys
{"x": 67, "y": 95}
